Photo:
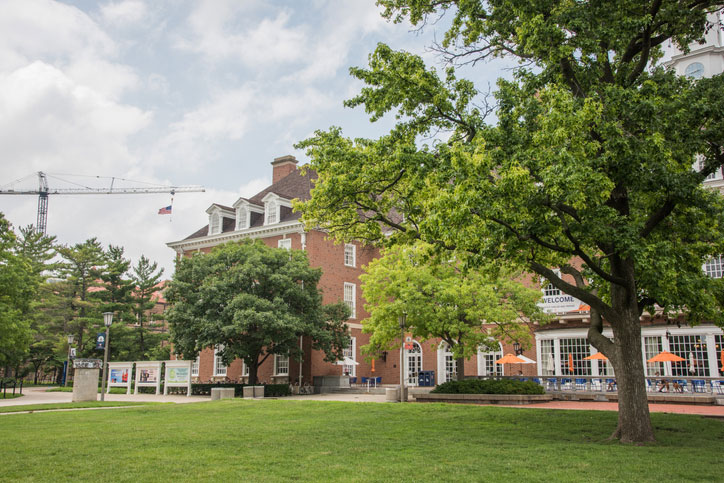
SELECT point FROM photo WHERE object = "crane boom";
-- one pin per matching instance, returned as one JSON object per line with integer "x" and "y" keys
{"x": 43, "y": 191}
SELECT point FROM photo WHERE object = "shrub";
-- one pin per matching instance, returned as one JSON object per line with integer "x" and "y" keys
{"x": 489, "y": 386}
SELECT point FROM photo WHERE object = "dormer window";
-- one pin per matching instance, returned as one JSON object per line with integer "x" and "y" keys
{"x": 242, "y": 218}
{"x": 214, "y": 224}
{"x": 271, "y": 213}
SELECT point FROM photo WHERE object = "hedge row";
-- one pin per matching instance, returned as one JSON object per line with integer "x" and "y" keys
{"x": 489, "y": 386}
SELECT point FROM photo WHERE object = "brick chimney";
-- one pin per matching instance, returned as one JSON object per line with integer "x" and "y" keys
{"x": 283, "y": 166}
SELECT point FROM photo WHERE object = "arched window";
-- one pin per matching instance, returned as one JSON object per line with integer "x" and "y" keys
{"x": 242, "y": 218}
{"x": 214, "y": 224}
{"x": 486, "y": 361}
{"x": 413, "y": 363}
{"x": 270, "y": 208}
{"x": 446, "y": 367}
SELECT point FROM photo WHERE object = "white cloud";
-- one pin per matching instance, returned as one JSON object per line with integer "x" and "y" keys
{"x": 43, "y": 29}
{"x": 49, "y": 121}
{"x": 124, "y": 13}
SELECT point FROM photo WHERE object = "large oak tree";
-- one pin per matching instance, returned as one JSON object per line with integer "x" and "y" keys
{"x": 590, "y": 159}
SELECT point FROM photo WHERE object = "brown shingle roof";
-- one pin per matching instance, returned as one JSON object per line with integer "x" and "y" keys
{"x": 292, "y": 186}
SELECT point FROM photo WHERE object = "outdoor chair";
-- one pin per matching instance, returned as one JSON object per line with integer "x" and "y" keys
{"x": 552, "y": 383}
{"x": 566, "y": 383}
{"x": 718, "y": 386}
{"x": 537, "y": 381}
{"x": 680, "y": 385}
{"x": 610, "y": 384}
{"x": 597, "y": 384}
{"x": 580, "y": 383}
{"x": 698, "y": 385}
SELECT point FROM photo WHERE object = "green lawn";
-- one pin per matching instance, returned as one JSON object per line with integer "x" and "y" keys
{"x": 239, "y": 440}
{"x": 9, "y": 395}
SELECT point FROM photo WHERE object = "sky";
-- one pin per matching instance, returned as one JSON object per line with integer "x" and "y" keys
{"x": 176, "y": 93}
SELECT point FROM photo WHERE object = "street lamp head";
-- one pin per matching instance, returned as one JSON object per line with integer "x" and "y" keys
{"x": 403, "y": 319}
{"x": 107, "y": 318}
{"x": 71, "y": 338}
{"x": 517, "y": 348}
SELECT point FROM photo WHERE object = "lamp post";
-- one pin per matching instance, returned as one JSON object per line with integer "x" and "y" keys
{"x": 67, "y": 365}
{"x": 107, "y": 321}
{"x": 403, "y": 319}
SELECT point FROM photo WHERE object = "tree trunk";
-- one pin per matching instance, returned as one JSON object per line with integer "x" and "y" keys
{"x": 460, "y": 367}
{"x": 252, "y": 373}
{"x": 634, "y": 420}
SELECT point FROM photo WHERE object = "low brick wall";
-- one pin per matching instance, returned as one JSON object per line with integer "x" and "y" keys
{"x": 484, "y": 398}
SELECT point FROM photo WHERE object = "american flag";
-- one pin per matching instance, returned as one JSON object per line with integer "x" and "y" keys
{"x": 166, "y": 210}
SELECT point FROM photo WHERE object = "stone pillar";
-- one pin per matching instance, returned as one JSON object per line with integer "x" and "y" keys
{"x": 85, "y": 384}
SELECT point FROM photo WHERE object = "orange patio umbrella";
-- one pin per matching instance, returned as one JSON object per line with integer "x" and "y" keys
{"x": 510, "y": 359}
{"x": 598, "y": 356}
{"x": 666, "y": 357}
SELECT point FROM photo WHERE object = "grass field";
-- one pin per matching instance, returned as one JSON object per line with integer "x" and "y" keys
{"x": 239, "y": 440}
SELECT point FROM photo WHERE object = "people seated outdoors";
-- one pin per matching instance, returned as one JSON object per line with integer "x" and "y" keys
{"x": 663, "y": 383}
{"x": 678, "y": 387}
{"x": 611, "y": 385}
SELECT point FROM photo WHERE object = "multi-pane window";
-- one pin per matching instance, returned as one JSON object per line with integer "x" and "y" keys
{"x": 281, "y": 365}
{"x": 214, "y": 224}
{"x": 713, "y": 267}
{"x": 718, "y": 353}
{"x": 195, "y": 368}
{"x": 547, "y": 357}
{"x": 350, "y": 290}
{"x": 700, "y": 164}
{"x": 573, "y": 352}
{"x": 487, "y": 365}
{"x": 350, "y": 255}
{"x": 244, "y": 369}
{"x": 450, "y": 366}
{"x": 350, "y": 369}
{"x": 270, "y": 208}
{"x": 242, "y": 219}
{"x": 693, "y": 349}
{"x": 653, "y": 346}
{"x": 285, "y": 243}
{"x": 219, "y": 366}
{"x": 413, "y": 363}
{"x": 549, "y": 290}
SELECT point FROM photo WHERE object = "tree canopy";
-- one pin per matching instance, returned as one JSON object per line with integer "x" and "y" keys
{"x": 254, "y": 301}
{"x": 590, "y": 159}
{"x": 469, "y": 309}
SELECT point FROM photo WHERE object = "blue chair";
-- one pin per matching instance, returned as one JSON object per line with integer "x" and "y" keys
{"x": 378, "y": 381}
{"x": 698, "y": 385}
{"x": 566, "y": 383}
{"x": 719, "y": 386}
{"x": 353, "y": 380}
{"x": 364, "y": 380}
{"x": 580, "y": 383}
{"x": 610, "y": 384}
{"x": 536, "y": 380}
{"x": 551, "y": 383}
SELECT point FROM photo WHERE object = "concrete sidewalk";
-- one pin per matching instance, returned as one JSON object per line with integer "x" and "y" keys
{"x": 39, "y": 395}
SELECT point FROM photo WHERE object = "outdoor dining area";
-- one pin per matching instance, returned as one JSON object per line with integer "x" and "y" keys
{"x": 657, "y": 383}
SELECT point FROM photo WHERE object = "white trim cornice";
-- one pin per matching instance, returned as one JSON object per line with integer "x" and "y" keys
{"x": 284, "y": 228}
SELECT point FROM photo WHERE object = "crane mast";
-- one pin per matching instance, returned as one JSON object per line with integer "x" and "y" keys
{"x": 44, "y": 190}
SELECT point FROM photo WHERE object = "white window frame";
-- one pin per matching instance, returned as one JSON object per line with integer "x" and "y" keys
{"x": 699, "y": 166}
{"x": 195, "y": 366}
{"x": 244, "y": 369}
{"x": 549, "y": 290}
{"x": 714, "y": 267}
{"x": 444, "y": 365}
{"x": 486, "y": 361}
{"x": 413, "y": 379}
{"x": 219, "y": 367}
{"x": 242, "y": 223}
{"x": 350, "y": 255}
{"x": 281, "y": 362}
{"x": 285, "y": 243}
{"x": 351, "y": 352}
{"x": 350, "y": 298}
{"x": 271, "y": 212}
{"x": 215, "y": 223}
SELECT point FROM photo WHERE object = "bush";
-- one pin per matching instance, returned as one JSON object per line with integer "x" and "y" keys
{"x": 489, "y": 386}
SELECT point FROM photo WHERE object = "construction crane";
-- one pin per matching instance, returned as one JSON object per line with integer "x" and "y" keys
{"x": 44, "y": 191}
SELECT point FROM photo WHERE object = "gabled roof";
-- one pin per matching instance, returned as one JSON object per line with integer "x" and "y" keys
{"x": 292, "y": 186}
